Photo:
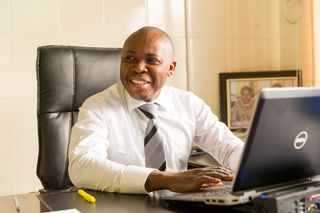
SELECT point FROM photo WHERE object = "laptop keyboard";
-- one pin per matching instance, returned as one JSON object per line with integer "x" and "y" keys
{"x": 214, "y": 192}
{"x": 220, "y": 195}
{"x": 219, "y": 192}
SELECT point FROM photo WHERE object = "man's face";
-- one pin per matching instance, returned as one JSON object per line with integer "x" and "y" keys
{"x": 146, "y": 62}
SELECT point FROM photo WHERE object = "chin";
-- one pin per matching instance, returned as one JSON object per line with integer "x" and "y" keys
{"x": 139, "y": 96}
{"x": 144, "y": 98}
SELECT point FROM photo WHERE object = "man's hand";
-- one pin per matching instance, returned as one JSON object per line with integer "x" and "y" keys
{"x": 190, "y": 180}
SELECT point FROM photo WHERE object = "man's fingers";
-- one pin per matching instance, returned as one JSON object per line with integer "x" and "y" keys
{"x": 208, "y": 181}
{"x": 200, "y": 178}
{"x": 208, "y": 185}
{"x": 217, "y": 172}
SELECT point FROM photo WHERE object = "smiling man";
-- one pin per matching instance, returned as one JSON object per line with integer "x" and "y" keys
{"x": 118, "y": 145}
{"x": 147, "y": 61}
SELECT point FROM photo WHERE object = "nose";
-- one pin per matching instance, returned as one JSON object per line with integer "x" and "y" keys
{"x": 140, "y": 66}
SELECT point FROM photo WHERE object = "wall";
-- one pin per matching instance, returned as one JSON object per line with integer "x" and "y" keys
{"x": 316, "y": 18}
{"x": 310, "y": 53}
{"x": 233, "y": 36}
{"x": 210, "y": 37}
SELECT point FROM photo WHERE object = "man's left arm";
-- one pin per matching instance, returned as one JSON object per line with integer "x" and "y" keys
{"x": 215, "y": 138}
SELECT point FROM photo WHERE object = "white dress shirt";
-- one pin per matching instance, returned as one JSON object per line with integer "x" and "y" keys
{"x": 107, "y": 143}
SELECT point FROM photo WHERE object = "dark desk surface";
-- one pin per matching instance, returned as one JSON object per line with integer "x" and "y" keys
{"x": 113, "y": 202}
{"x": 106, "y": 202}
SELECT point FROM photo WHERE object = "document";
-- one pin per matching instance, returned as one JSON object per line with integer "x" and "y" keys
{"x": 66, "y": 211}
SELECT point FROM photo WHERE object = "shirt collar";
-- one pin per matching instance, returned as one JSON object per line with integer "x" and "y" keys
{"x": 162, "y": 100}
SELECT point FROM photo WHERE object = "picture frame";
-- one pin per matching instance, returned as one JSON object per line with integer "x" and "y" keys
{"x": 239, "y": 90}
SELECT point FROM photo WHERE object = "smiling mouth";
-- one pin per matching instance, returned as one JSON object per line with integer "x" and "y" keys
{"x": 139, "y": 82}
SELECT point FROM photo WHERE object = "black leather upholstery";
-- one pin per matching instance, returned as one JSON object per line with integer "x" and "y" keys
{"x": 66, "y": 76}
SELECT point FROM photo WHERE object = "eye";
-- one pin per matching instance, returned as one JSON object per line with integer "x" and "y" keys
{"x": 129, "y": 58}
{"x": 153, "y": 60}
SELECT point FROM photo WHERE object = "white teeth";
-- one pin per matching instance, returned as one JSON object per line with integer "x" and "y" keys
{"x": 138, "y": 82}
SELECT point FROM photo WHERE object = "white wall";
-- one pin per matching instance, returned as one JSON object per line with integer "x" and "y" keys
{"x": 221, "y": 35}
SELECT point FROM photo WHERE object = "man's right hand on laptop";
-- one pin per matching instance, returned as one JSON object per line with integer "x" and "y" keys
{"x": 186, "y": 181}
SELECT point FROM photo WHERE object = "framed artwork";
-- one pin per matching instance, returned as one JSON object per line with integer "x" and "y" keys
{"x": 239, "y": 90}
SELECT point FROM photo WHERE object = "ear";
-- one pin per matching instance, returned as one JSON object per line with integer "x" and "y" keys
{"x": 172, "y": 68}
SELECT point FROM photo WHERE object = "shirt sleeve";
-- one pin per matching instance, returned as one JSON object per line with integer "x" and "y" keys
{"x": 89, "y": 166}
{"x": 215, "y": 138}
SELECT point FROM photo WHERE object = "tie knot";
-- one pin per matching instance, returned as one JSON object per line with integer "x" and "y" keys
{"x": 149, "y": 110}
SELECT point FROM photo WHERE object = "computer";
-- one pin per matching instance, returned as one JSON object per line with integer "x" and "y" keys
{"x": 281, "y": 150}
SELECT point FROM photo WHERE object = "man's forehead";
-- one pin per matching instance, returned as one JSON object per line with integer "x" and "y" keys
{"x": 148, "y": 41}
{"x": 151, "y": 47}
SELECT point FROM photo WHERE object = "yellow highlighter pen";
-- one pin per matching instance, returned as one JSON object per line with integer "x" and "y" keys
{"x": 87, "y": 197}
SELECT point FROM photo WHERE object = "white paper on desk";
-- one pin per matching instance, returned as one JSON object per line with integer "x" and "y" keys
{"x": 67, "y": 211}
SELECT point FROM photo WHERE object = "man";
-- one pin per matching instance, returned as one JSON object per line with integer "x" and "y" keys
{"x": 107, "y": 144}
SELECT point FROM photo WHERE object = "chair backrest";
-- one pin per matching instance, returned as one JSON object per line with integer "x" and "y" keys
{"x": 66, "y": 76}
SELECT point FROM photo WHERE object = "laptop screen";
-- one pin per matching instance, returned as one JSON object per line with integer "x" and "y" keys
{"x": 283, "y": 142}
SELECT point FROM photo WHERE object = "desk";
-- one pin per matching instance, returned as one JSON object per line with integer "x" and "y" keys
{"x": 106, "y": 202}
{"x": 118, "y": 203}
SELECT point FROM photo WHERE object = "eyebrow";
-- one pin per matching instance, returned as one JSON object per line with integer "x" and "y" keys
{"x": 131, "y": 51}
{"x": 147, "y": 54}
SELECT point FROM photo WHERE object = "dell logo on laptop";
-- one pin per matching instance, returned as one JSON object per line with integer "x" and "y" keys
{"x": 300, "y": 140}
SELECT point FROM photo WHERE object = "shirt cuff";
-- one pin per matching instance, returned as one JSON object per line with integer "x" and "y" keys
{"x": 235, "y": 158}
{"x": 133, "y": 179}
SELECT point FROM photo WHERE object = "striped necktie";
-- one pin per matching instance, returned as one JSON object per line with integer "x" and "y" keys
{"x": 153, "y": 143}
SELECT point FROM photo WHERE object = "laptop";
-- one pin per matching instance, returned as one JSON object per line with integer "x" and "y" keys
{"x": 281, "y": 150}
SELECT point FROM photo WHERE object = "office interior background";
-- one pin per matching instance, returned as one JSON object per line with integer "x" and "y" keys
{"x": 210, "y": 36}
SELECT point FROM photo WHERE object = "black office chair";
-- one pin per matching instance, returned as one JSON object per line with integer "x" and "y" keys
{"x": 66, "y": 76}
